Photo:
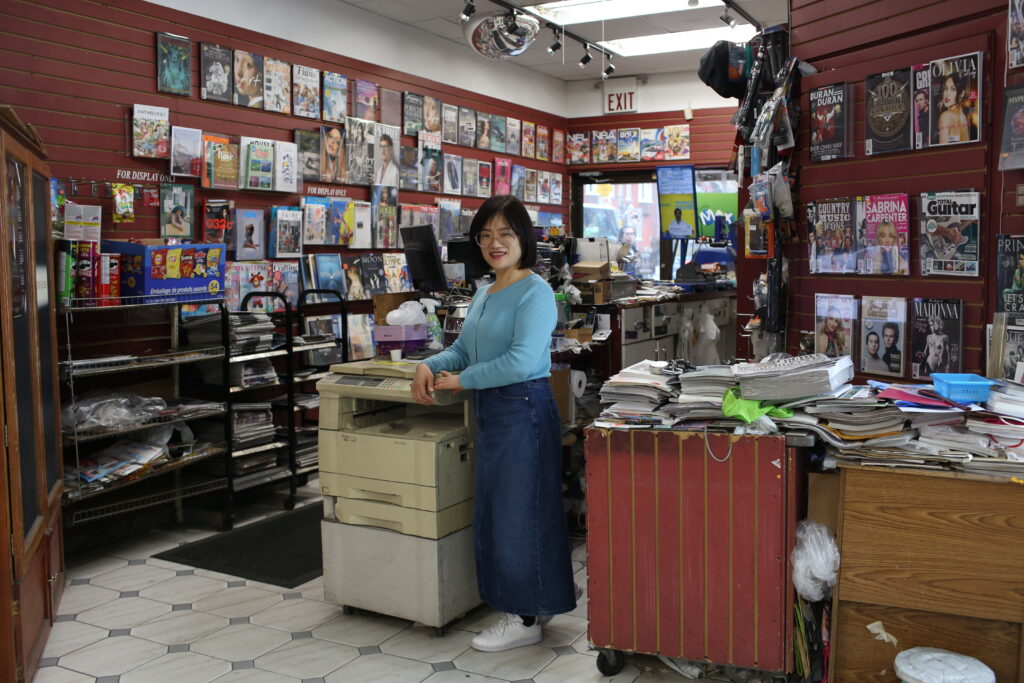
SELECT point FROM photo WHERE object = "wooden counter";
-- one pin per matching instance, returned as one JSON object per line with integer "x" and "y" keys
{"x": 938, "y": 557}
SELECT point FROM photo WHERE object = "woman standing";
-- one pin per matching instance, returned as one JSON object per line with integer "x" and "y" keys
{"x": 520, "y": 534}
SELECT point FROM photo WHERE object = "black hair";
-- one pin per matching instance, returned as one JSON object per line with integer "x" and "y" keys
{"x": 870, "y": 334}
{"x": 894, "y": 327}
{"x": 518, "y": 219}
{"x": 387, "y": 137}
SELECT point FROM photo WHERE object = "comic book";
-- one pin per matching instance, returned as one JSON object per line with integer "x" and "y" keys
{"x": 629, "y": 144}
{"x": 359, "y": 151}
{"x": 558, "y": 146}
{"x": 885, "y": 243}
{"x": 467, "y": 127}
{"x": 470, "y": 171}
{"x": 513, "y": 136}
{"x": 652, "y": 144}
{"x": 384, "y": 206}
{"x": 186, "y": 151}
{"x": 577, "y": 146}
{"x": 285, "y": 239}
{"x": 483, "y": 179}
{"x": 529, "y": 138}
{"x": 173, "y": 64}
{"x": 497, "y": 133}
{"x": 1011, "y": 150}
{"x": 1010, "y": 274}
{"x": 887, "y": 112}
{"x": 830, "y": 109}
{"x": 883, "y": 321}
{"x": 151, "y": 132}
{"x": 502, "y": 175}
{"x": 543, "y": 143}
{"x": 315, "y": 211}
{"x": 922, "y": 98}
{"x": 412, "y": 113}
{"x": 286, "y": 166}
{"x": 248, "y": 90}
{"x": 365, "y": 101}
{"x": 408, "y": 168}
{"x": 936, "y": 336}
{"x": 431, "y": 163}
{"x": 950, "y": 233}
{"x": 450, "y": 124}
{"x": 308, "y": 143}
{"x": 360, "y": 336}
{"x": 831, "y": 236}
{"x": 955, "y": 114}
{"x": 306, "y": 91}
{"x": 215, "y": 77}
{"x": 391, "y": 107}
{"x": 452, "y": 174}
{"x": 249, "y": 235}
{"x": 835, "y": 324}
{"x": 284, "y": 278}
{"x": 677, "y": 142}
{"x": 335, "y": 98}
{"x": 603, "y": 146}
{"x": 277, "y": 86}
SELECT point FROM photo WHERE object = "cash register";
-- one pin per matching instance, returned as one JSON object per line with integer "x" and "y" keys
{"x": 397, "y": 480}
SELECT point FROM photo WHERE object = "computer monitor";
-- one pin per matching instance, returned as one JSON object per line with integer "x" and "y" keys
{"x": 424, "y": 258}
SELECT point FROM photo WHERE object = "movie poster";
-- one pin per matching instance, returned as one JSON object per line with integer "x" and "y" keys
{"x": 950, "y": 233}
{"x": 936, "y": 336}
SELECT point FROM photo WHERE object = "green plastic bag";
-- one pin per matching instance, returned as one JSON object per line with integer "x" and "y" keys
{"x": 747, "y": 410}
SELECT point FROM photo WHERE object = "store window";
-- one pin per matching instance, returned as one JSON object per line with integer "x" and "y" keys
{"x": 627, "y": 214}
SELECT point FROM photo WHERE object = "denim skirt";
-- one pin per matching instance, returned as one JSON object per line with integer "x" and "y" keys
{"x": 521, "y": 539}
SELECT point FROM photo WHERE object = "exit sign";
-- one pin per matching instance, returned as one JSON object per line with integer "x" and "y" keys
{"x": 620, "y": 95}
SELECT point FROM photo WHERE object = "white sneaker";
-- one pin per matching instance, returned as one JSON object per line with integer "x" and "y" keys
{"x": 508, "y": 633}
{"x": 545, "y": 619}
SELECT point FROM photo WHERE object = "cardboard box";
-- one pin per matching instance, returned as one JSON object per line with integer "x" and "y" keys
{"x": 591, "y": 292}
{"x": 591, "y": 270}
{"x": 823, "y": 499}
{"x": 580, "y": 334}
{"x": 562, "y": 391}
{"x": 162, "y": 273}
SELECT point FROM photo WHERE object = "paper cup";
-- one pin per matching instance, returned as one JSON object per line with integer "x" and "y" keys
{"x": 396, "y": 354}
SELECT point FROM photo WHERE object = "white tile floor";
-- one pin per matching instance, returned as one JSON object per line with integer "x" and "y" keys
{"x": 128, "y": 618}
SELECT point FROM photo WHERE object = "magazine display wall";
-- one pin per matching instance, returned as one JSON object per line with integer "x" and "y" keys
{"x": 871, "y": 143}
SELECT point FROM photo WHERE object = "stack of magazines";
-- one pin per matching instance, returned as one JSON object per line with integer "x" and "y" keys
{"x": 253, "y": 373}
{"x": 252, "y": 424}
{"x": 793, "y": 376}
{"x": 247, "y": 332}
{"x": 637, "y": 393}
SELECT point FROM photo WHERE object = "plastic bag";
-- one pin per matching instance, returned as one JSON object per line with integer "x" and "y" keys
{"x": 409, "y": 313}
{"x": 110, "y": 410}
{"x": 815, "y": 560}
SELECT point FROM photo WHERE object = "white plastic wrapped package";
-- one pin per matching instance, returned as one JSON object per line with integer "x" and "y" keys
{"x": 110, "y": 410}
{"x": 815, "y": 560}
{"x": 408, "y": 313}
{"x": 932, "y": 665}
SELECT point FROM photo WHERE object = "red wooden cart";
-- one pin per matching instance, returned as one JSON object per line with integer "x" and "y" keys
{"x": 688, "y": 538}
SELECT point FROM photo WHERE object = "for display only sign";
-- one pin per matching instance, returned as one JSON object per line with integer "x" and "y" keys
{"x": 677, "y": 201}
{"x": 621, "y": 95}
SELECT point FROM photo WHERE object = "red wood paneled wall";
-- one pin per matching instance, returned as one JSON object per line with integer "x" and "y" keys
{"x": 73, "y": 68}
{"x": 847, "y": 40}
{"x": 711, "y": 135}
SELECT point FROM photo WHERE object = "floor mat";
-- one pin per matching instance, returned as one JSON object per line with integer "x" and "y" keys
{"x": 283, "y": 550}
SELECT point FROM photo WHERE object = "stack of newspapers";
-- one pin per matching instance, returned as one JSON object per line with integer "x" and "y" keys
{"x": 792, "y": 377}
{"x": 637, "y": 393}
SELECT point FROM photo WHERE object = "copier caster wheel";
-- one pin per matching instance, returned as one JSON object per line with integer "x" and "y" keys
{"x": 610, "y": 662}
{"x": 440, "y": 631}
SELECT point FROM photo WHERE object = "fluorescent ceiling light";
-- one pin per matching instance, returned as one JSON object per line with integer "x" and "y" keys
{"x": 680, "y": 41}
{"x": 567, "y": 12}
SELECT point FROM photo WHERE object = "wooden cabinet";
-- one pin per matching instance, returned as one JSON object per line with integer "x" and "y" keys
{"x": 937, "y": 558}
{"x": 31, "y": 478}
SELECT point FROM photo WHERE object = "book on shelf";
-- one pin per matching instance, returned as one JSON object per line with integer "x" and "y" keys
{"x": 151, "y": 132}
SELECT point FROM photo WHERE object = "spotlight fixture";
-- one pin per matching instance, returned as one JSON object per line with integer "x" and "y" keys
{"x": 727, "y": 19}
{"x": 467, "y": 11}
{"x": 555, "y": 46}
{"x": 608, "y": 71}
{"x": 585, "y": 59}
{"x": 514, "y": 27}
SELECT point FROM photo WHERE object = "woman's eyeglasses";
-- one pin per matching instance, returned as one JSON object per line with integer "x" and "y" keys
{"x": 505, "y": 237}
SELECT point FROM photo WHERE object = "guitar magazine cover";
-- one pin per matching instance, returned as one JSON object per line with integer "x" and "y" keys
{"x": 936, "y": 336}
{"x": 887, "y": 109}
{"x": 883, "y": 321}
{"x": 955, "y": 114}
{"x": 950, "y": 229}
{"x": 830, "y": 122}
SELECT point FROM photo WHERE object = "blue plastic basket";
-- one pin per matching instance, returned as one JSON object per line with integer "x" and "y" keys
{"x": 962, "y": 387}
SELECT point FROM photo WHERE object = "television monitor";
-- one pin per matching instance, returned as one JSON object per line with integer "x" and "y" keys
{"x": 423, "y": 257}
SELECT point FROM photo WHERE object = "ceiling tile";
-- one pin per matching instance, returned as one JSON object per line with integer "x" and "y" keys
{"x": 398, "y": 10}
{"x": 445, "y": 28}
